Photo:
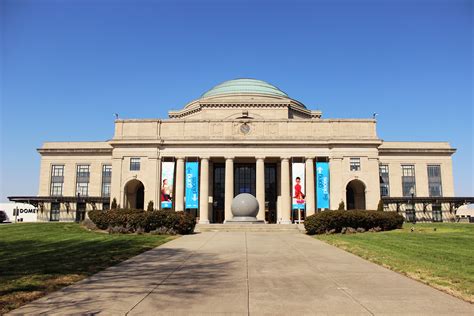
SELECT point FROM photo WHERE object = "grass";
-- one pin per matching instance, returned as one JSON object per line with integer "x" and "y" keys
{"x": 38, "y": 258}
{"x": 443, "y": 258}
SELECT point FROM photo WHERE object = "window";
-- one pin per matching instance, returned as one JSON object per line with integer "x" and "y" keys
{"x": 434, "y": 180}
{"x": 134, "y": 164}
{"x": 56, "y": 189}
{"x": 57, "y": 180}
{"x": 82, "y": 180}
{"x": 55, "y": 210}
{"x": 82, "y": 189}
{"x": 437, "y": 212}
{"x": 106, "y": 180}
{"x": 355, "y": 164}
{"x": 244, "y": 179}
{"x": 408, "y": 180}
{"x": 384, "y": 180}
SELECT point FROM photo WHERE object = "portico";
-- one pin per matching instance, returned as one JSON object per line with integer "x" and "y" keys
{"x": 254, "y": 175}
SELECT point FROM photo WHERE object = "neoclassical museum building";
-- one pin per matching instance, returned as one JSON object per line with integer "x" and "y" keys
{"x": 245, "y": 136}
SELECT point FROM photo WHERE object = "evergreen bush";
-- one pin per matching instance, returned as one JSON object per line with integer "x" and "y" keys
{"x": 322, "y": 222}
{"x": 132, "y": 220}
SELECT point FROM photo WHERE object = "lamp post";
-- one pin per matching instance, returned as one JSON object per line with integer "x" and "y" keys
{"x": 412, "y": 193}
{"x": 77, "y": 207}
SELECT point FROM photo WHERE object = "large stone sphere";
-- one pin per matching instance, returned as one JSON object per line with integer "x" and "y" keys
{"x": 244, "y": 205}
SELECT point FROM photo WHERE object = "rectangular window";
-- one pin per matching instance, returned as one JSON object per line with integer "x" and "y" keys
{"x": 82, "y": 180}
{"x": 408, "y": 180}
{"x": 106, "y": 180}
{"x": 437, "y": 212}
{"x": 134, "y": 164}
{"x": 384, "y": 180}
{"x": 434, "y": 180}
{"x": 55, "y": 211}
{"x": 82, "y": 189}
{"x": 56, "y": 189}
{"x": 57, "y": 180}
{"x": 355, "y": 164}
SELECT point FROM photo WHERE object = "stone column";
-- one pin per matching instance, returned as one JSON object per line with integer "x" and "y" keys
{"x": 310, "y": 191}
{"x": 204, "y": 192}
{"x": 260, "y": 188}
{"x": 158, "y": 185}
{"x": 179, "y": 193}
{"x": 229, "y": 188}
{"x": 285, "y": 191}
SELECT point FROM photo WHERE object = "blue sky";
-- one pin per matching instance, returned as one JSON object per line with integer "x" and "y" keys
{"x": 67, "y": 66}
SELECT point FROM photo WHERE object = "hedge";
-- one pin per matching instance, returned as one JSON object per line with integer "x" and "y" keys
{"x": 322, "y": 222}
{"x": 132, "y": 220}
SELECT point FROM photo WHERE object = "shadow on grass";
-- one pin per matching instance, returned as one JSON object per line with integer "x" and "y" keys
{"x": 45, "y": 265}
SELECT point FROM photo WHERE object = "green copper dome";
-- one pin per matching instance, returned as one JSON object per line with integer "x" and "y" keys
{"x": 240, "y": 86}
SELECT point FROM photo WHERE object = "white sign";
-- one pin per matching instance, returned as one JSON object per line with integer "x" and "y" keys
{"x": 19, "y": 212}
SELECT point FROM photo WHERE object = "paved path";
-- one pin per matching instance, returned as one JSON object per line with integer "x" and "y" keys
{"x": 242, "y": 273}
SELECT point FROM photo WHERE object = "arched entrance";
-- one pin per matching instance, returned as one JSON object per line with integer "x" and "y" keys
{"x": 355, "y": 195}
{"x": 134, "y": 194}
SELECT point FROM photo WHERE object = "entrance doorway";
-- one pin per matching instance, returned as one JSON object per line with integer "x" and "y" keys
{"x": 218, "y": 194}
{"x": 355, "y": 195}
{"x": 134, "y": 194}
{"x": 270, "y": 193}
{"x": 244, "y": 179}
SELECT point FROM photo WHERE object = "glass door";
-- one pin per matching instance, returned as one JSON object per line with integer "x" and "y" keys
{"x": 218, "y": 194}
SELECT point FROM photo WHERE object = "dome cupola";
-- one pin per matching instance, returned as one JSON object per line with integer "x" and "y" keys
{"x": 244, "y": 86}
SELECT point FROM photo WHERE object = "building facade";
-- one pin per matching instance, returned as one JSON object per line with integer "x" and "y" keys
{"x": 243, "y": 135}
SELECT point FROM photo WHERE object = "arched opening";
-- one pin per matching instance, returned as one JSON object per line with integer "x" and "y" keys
{"x": 134, "y": 194}
{"x": 355, "y": 195}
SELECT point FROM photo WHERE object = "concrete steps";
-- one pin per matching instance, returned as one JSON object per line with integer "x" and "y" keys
{"x": 263, "y": 228}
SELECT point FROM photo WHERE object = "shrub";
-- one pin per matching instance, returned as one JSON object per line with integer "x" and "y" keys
{"x": 380, "y": 206}
{"x": 341, "y": 206}
{"x": 149, "y": 208}
{"x": 99, "y": 218}
{"x": 163, "y": 218}
{"x": 321, "y": 222}
{"x": 132, "y": 220}
{"x": 186, "y": 223}
{"x": 114, "y": 204}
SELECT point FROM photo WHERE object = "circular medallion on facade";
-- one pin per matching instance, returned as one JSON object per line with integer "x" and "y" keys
{"x": 244, "y": 128}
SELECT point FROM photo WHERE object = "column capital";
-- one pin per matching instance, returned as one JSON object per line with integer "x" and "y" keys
{"x": 260, "y": 157}
{"x": 308, "y": 158}
{"x": 229, "y": 157}
{"x": 180, "y": 157}
{"x": 285, "y": 158}
{"x": 204, "y": 157}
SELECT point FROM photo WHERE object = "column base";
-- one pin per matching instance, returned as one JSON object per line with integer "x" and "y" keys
{"x": 204, "y": 221}
{"x": 285, "y": 222}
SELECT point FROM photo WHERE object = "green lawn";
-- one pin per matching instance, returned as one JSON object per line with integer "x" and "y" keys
{"x": 443, "y": 258}
{"x": 38, "y": 258}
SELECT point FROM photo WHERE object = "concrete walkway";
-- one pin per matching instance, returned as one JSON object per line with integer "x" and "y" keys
{"x": 240, "y": 273}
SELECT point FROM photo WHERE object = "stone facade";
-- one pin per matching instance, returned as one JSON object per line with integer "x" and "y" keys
{"x": 244, "y": 127}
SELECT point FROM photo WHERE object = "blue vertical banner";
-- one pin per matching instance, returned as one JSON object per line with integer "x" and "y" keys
{"x": 322, "y": 184}
{"x": 192, "y": 185}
